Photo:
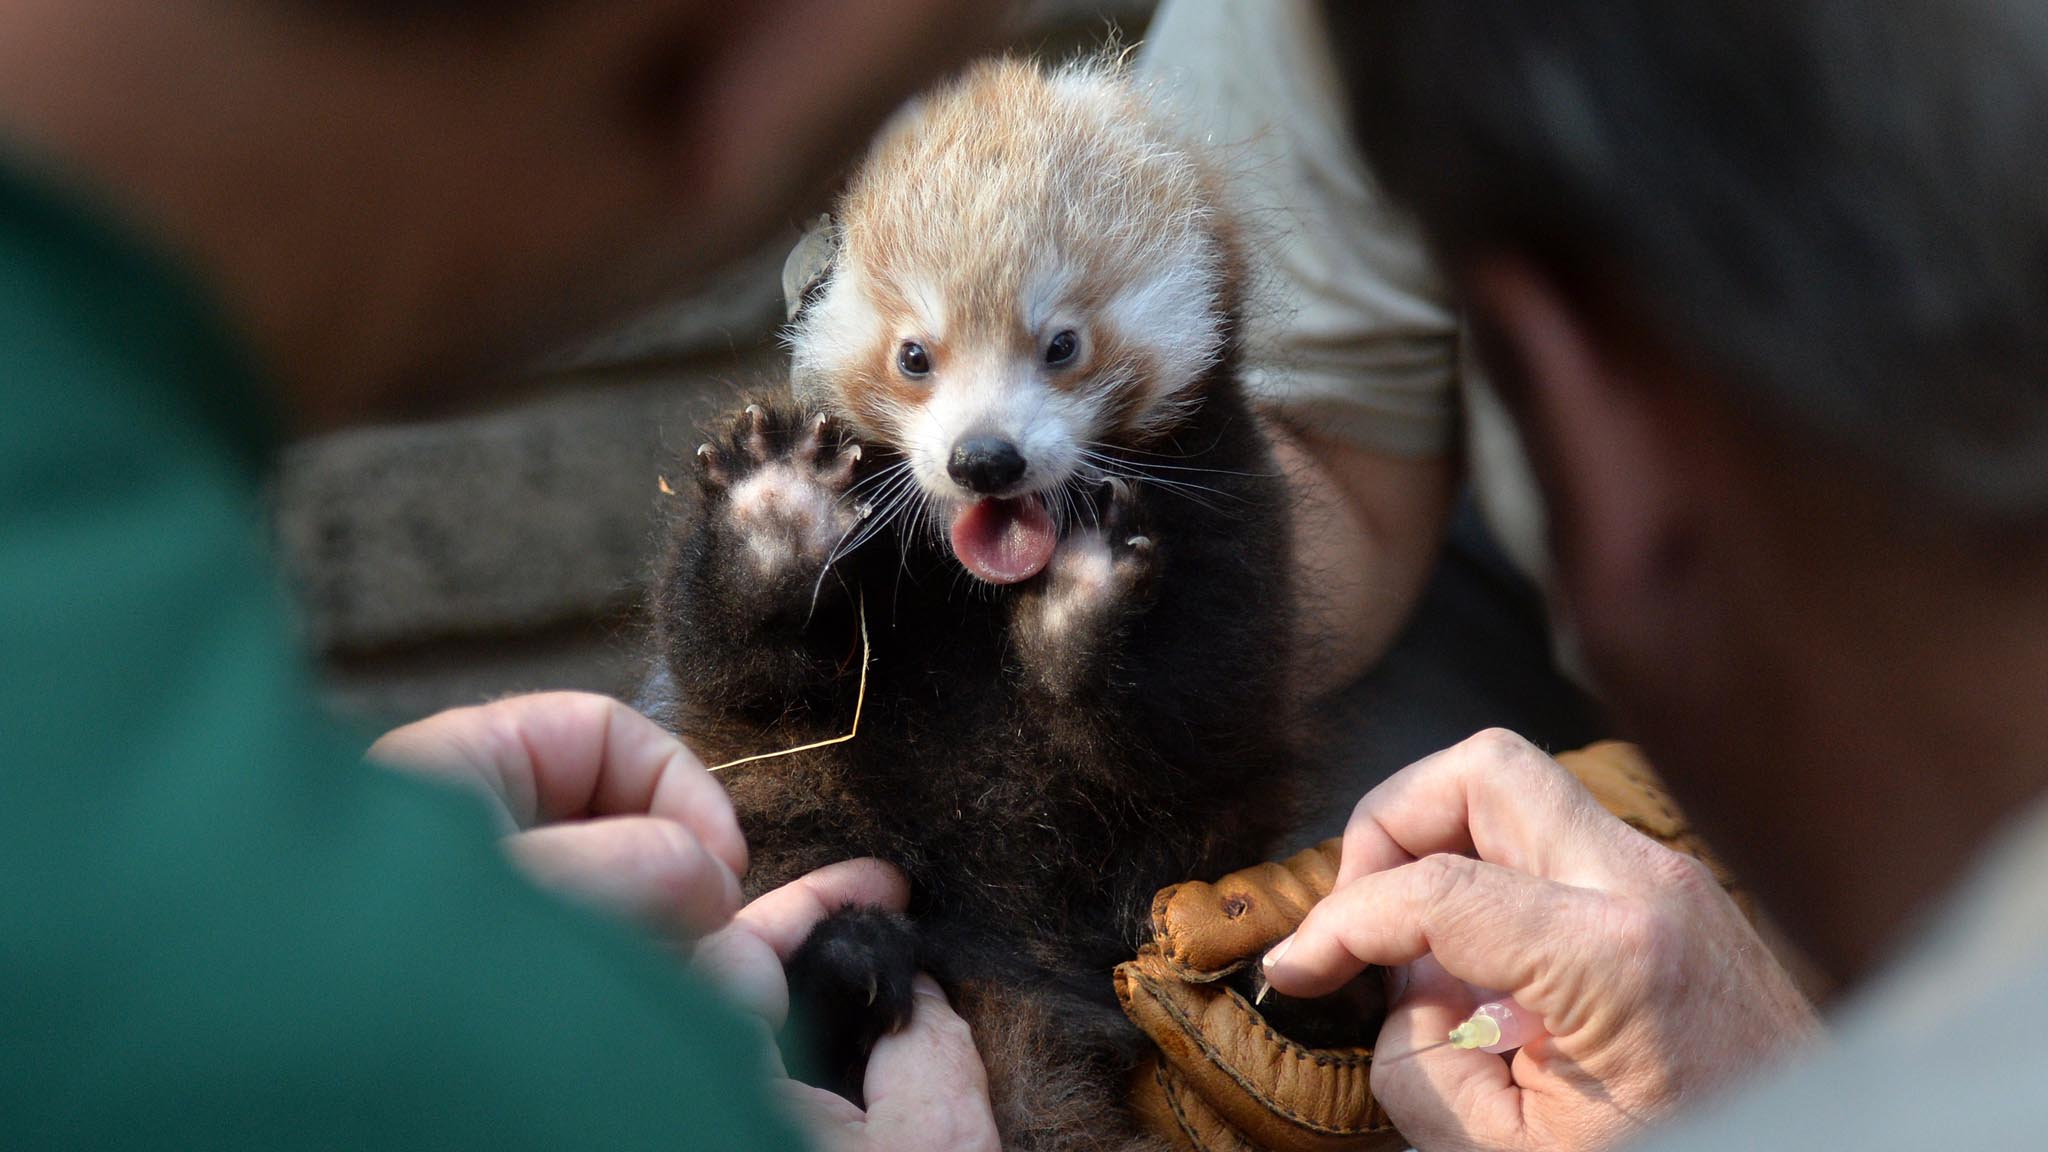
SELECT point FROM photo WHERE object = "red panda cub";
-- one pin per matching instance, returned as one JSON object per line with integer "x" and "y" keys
{"x": 1016, "y": 463}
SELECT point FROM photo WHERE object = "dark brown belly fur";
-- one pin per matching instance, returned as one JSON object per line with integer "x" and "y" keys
{"x": 1038, "y": 784}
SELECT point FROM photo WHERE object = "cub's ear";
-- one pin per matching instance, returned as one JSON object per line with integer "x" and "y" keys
{"x": 808, "y": 265}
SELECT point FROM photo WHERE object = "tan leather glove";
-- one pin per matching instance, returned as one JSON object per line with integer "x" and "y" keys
{"x": 1223, "y": 1079}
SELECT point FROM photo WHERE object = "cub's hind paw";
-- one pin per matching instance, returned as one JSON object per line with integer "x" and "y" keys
{"x": 849, "y": 985}
{"x": 779, "y": 478}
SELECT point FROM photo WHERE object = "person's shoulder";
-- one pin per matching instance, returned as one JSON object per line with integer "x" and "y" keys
{"x": 1968, "y": 1080}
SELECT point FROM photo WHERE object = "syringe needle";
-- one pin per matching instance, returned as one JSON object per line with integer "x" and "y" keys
{"x": 1496, "y": 1027}
{"x": 1412, "y": 1053}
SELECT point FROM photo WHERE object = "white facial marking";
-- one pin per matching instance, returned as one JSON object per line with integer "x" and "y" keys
{"x": 1000, "y": 396}
{"x": 929, "y": 307}
{"x": 1175, "y": 315}
{"x": 1045, "y": 291}
{"x": 837, "y": 329}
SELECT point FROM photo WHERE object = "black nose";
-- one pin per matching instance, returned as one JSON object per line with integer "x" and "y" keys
{"x": 985, "y": 464}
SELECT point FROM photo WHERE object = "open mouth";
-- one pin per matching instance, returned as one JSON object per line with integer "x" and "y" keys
{"x": 1004, "y": 541}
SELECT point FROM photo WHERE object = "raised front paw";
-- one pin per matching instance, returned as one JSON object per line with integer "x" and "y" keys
{"x": 779, "y": 477}
{"x": 1103, "y": 567}
{"x": 1068, "y": 628}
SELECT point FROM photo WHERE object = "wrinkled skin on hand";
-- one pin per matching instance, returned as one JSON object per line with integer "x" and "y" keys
{"x": 601, "y": 803}
{"x": 925, "y": 1088}
{"x": 1489, "y": 866}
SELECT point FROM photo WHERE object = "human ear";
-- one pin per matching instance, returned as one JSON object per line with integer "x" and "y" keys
{"x": 1611, "y": 447}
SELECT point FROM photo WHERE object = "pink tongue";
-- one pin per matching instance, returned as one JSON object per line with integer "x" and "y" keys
{"x": 1004, "y": 541}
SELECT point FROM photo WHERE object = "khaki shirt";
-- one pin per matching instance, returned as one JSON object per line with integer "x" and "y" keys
{"x": 1352, "y": 330}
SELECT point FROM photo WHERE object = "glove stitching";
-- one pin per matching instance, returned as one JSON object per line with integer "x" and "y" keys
{"x": 1215, "y": 1059}
{"x": 1173, "y": 1104}
{"x": 1204, "y": 975}
{"x": 1164, "y": 938}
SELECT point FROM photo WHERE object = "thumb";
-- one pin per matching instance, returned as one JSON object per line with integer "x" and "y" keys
{"x": 1439, "y": 1096}
{"x": 925, "y": 1086}
{"x": 646, "y": 868}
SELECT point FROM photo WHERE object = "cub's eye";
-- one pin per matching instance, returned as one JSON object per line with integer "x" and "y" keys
{"x": 1062, "y": 348}
{"x": 912, "y": 360}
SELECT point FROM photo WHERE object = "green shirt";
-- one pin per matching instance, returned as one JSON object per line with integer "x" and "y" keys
{"x": 217, "y": 928}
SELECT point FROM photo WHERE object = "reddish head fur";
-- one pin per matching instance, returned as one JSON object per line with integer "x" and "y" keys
{"x": 1012, "y": 206}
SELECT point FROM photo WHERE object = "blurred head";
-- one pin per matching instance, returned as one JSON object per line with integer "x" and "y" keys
{"x": 1767, "y": 286}
{"x": 387, "y": 192}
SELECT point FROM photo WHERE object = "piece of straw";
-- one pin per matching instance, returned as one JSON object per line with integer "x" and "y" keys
{"x": 859, "y": 701}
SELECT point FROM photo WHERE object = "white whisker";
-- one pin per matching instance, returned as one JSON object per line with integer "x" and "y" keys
{"x": 1091, "y": 445}
{"x": 1185, "y": 489}
{"x": 883, "y": 507}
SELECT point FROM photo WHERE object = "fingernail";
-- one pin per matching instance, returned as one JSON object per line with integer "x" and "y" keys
{"x": 1397, "y": 983}
{"x": 923, "y": 985}
{"x": 1274, "y": 954}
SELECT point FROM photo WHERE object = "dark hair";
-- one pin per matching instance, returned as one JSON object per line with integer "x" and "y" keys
{"x": 1841, "y": 205}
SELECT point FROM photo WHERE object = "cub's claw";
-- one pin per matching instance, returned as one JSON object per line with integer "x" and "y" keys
{"x": 778, "y": 479}
{"x": 754, "y": 426}
{"x": 819, "y": 443}
{"x": 1131, "y": 551}
{"x": 1136, "y": 557}
{"x": 828, "y": 450}
{"x": 849, "y": 985}
{"x": 709, "y": 469}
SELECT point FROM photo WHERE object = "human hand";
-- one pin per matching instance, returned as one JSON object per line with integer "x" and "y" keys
{"x": 1489, "y": 866}
{"x": 925, "y": 1086}
{"x": 600, "y": 802}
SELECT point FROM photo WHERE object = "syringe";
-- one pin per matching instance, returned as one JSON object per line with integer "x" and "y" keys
{"x": 1496, "y": 1026}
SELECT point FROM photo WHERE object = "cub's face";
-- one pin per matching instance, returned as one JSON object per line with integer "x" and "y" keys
{"x": 1028, "y": 273}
